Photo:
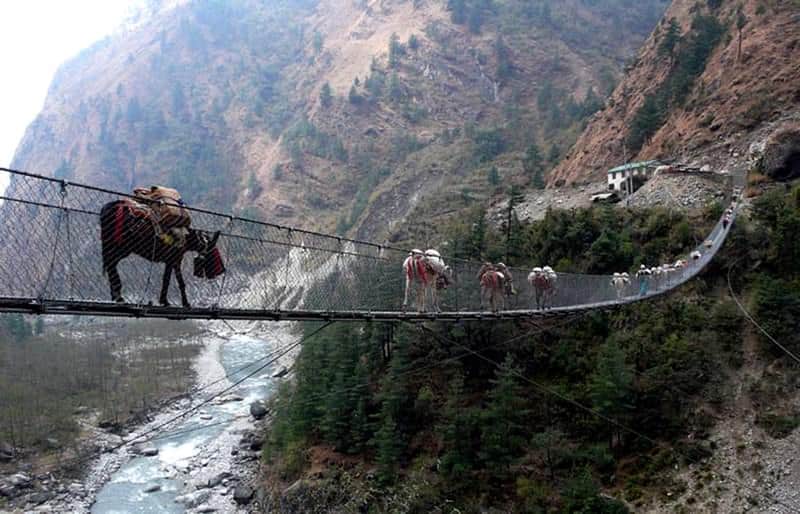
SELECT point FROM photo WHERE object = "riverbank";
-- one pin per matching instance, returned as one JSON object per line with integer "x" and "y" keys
{"x": 206, "y": 461}
{"x": 77, "y": 388}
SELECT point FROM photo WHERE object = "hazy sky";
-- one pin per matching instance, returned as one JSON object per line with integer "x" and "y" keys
{"x": 36, "y": 37}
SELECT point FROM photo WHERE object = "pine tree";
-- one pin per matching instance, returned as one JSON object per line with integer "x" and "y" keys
{"x": 413, "y": 42}
{"x": 396, "y": 50}
{"x": 317, "y": 42}
{"x": 459, "y": 429}
{"x": 395, "y": 89}
{"x": 326, "y": 95}
{"x": 389, "y": 440}
{"x": 353, "y": 97}
{"x": 503, "y": 56}
{"x": 741, "y": 22}
{"x": 591, "y": 104}
{"x": 551, "y": 441}
{"x": 514, "y": 237}
{"x": 554, "y": 155}
{"x": 494, "y": 176}
{"x": 532, "y": 164}
{"x": 502, "y": 428}
{"x": 338, "y": 404}
{"x": 671, "y": 38}
{"x": 458, "y": 11}
{"x": 476, "y": 241}
{"x": 610, "y": 386}
{"x": 359, "y": 420}
{"x": 646, "y": 122}
{"x": 388, "y": 447}
{"x": 475, "y": 20}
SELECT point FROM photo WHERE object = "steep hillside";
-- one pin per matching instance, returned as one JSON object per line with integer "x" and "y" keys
{"x": 334, "y": 114}
{"x": 713, "y": 77}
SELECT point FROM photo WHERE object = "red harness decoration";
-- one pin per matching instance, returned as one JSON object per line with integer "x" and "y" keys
{"x": 127, "y": 207}
{"x": 419, "y": 268}
{"x": 217, "y": 268}
{"x": 119, "y": 222}
{"x": 491, "y": 279}
{"x": 542, "y": 282}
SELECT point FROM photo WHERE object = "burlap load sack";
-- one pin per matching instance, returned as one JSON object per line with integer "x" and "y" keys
{"x": 166, "y": 204}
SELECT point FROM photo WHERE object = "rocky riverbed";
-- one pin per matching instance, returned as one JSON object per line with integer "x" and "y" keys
{"x": 204, "y": 462}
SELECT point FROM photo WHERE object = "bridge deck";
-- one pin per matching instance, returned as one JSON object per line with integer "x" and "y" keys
{"x": 106, "y": 309}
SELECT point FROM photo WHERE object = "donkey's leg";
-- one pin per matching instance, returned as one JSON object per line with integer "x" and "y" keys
{"x": 405, "y": 296}
{"x": 115, "y": 283}
{"x": 181, "y": 285}
{"x": 162, "y": 299}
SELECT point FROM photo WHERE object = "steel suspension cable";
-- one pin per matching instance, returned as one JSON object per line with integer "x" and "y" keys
{"x": 752, "y": 320}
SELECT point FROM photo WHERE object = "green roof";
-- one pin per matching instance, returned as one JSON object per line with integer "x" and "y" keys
{"x": 633, "y": 166}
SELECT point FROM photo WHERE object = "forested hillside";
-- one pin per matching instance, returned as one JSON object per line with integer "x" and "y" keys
{"x": 607, "y": 412}
{"x": 340, "y": 114}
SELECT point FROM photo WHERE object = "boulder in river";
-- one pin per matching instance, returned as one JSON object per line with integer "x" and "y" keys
{"x": 256, "y": 443}
{"x": 40, "y": 497}
{"x": 20, "y": 480}
{"x": 243, "y": 494}
{"x": 153, "y": 488}
{"x": 7, "y": 490}
{"x": 195, "y": 499}
{"x": 258, "y": 409}
{"x": 149, "y": 451}
{"x": 217, "y": 480}
{"x": 6, "y": 452}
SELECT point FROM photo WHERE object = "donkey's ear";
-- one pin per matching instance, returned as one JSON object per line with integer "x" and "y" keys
{"x": 214, "y": 239}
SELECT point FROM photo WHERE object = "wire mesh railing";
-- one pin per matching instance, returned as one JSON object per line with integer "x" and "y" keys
{"x": 52, "y": 257}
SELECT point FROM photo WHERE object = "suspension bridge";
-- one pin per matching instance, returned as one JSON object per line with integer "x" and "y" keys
{"x": 51, "y": 263}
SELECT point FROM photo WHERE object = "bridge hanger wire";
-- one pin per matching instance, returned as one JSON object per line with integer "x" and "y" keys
{"x": 70, "y": 264}
{"x": 229, "y": 230}
{"x": 61, "y": 212}
{"x": 752, "y": 320}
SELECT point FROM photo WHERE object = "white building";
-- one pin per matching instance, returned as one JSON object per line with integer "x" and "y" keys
{"x": 634, "y": 174}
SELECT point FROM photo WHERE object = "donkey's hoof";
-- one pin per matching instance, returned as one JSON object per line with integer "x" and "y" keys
{"x": 119, "y": 299}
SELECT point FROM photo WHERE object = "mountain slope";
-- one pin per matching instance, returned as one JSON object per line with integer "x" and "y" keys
{"x": 693, "y": 92}
{"x": 222, "y": 100}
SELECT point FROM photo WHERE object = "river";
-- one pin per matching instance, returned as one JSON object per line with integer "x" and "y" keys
{"x": 200, "y": 447}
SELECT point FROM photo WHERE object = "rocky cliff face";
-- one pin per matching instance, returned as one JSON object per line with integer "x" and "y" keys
{"x": 335, "y": 114}
{"x": 712, "y": 78}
